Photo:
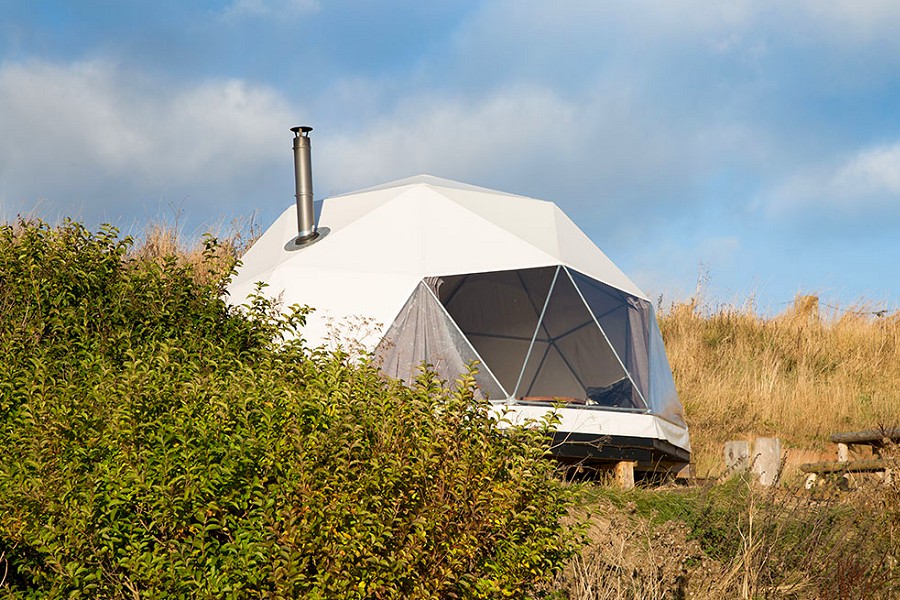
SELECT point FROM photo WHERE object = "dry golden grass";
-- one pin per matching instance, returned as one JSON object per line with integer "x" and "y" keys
{"x": 161, "y": 241}
{"x": 799, "y": 375}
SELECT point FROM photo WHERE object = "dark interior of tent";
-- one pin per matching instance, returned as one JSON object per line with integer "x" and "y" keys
{"x": 545, "y": 334}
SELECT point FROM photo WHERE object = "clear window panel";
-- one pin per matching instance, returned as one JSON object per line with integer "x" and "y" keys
{"x": 572, "y": 360}
{"x": 622, "y": 318}
{"x": 663, "y": 396}
{"x": 631, "y": 326}
{"x": 498, "y": 312}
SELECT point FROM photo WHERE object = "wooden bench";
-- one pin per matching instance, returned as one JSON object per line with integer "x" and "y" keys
{"x": 876, "y": 439}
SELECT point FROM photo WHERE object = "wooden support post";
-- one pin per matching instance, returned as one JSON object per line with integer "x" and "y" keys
{"x": 843, "y": 452}
{"x": 625, "y": 474}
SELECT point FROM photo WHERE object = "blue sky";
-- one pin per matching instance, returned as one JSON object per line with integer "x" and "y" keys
{"x": 751, "y": 144}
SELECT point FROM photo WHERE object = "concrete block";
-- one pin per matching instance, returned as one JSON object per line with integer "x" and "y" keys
{"x": 766, "y": 463}
{"x": 737, "y": 456}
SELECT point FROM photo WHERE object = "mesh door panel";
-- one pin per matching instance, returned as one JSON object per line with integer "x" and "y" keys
{"x": 422, "y": 333}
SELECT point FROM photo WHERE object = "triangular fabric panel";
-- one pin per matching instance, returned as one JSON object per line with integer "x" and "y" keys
{"x": 639, "y": 343}
{"x": 423, "y": 333}
{"x": 529, "y": 219}
{"x": 420, "y": 231}
{"x": 267, "y": 252}
{"x": 340, "y": 211}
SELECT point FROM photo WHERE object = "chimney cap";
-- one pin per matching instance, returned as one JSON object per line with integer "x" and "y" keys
{"x": 301, "y": 130}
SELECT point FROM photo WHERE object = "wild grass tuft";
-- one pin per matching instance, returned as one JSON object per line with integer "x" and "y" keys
{"x": 210, "y": 256}
{"x": 736, "y": 540}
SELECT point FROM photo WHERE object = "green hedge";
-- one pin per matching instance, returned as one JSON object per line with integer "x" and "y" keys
{"x": 157, "y": 443}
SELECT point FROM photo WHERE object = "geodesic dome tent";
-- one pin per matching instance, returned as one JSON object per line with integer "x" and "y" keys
{"x": 447, "y": 273}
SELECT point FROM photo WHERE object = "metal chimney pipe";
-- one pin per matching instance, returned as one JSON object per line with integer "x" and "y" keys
{"x": 306, "y": 217}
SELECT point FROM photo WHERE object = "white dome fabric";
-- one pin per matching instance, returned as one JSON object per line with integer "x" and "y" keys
{"x": 427, "y": 269}
{"x": 384, "y": 240}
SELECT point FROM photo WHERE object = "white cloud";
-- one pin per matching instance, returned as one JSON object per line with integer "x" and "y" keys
{"x": 453, "y": 135}
{"x": 722, "y": 100}
{"x": 70, "y": 129}
{"x": 601, "y": 153}
{"x": 269, "y": 8}
{"x": 95, "y": 132}
{"x": 653, "y": 39}
{"x": 873, "y": 172}
{"x": 856, "y": 20}
{"x": 863, "y": 186}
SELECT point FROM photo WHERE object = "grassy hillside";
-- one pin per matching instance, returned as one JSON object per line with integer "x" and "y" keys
{"x": 800, "y": 375}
